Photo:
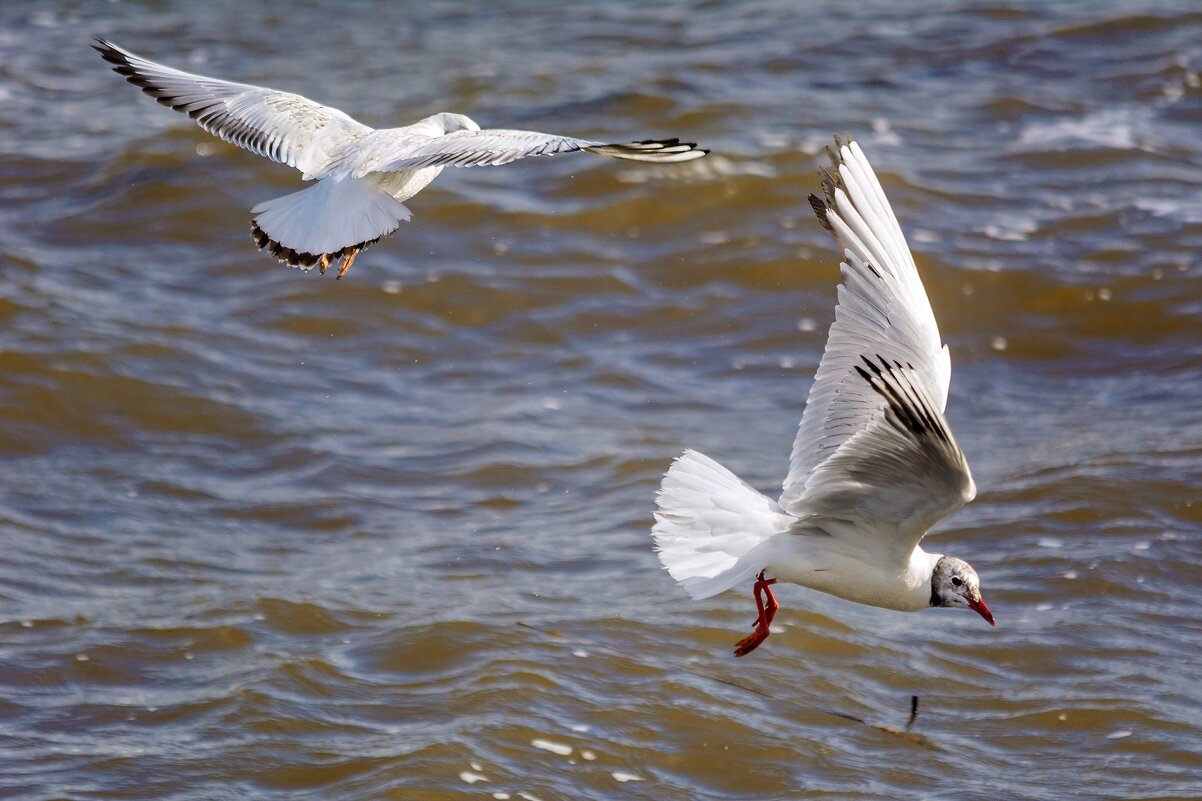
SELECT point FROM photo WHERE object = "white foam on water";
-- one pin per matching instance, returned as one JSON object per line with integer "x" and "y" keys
{"x": 1186, "y": 211}
{"x": 554, "y": 748}
{"x": 1118, "y": 128}
{"x": 1011, "y": 229}
{"x": 884, "y": 132}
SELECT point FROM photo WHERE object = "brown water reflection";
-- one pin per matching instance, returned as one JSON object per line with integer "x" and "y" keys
{"x": 270, "y": 536}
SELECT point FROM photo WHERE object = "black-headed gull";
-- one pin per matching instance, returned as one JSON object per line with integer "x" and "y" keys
{"x": 362, "y": 174}
{"x": 874, "y": 464}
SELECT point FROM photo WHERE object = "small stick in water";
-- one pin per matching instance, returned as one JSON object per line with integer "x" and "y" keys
{"x": 913, "y": 712}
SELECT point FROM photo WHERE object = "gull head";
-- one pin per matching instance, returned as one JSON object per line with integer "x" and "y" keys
{"x": 955, "y": 583}
{"x": 455, "y": 122}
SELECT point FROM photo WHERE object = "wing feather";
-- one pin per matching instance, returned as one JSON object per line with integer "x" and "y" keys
{"x": 495, "y": 146}
{"x": 893, "y": 479}
{"x": 284, "y": 127}
{"x": 874, "y": 452}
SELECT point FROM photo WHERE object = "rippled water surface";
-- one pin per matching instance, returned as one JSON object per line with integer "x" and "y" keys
{"x": 268, "y": 535}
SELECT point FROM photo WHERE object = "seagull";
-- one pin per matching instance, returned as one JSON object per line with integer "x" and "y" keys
{"x": 874, "y": 463}
{"x": 362, "y": 174}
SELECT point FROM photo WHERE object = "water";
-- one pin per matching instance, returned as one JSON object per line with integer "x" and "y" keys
{"x": 270, "y": 536}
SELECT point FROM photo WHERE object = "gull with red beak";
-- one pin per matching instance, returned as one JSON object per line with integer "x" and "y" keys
{"x": 874, "y": 464}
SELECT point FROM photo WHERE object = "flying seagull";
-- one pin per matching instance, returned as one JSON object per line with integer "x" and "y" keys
{"x": 362, "y": 174}
{"x": 874, "y": 464}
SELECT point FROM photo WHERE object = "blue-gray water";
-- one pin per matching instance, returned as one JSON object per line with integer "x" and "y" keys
{"x": 266, "y": 535}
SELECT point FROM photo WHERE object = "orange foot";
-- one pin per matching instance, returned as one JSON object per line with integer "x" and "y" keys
{"x": 347, "y": 261}
{"x": 767, "y": 608}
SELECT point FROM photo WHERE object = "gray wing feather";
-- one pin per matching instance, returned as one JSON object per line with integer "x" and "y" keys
{"x": 891, "y": 481}
{"x": 284, "y": 127}
{"x": 874, "y": 450}
{"x": 495, "y": 146}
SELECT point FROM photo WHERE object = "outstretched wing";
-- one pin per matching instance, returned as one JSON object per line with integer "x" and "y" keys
{"x": 873, "y": 448}
{"x": 492, "y": 147}
{"x": 284, "y": 127}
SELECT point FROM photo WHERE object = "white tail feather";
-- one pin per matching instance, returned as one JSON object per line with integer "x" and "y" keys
{"x": 333, "y": 214}
{"x": 709, "y": 525}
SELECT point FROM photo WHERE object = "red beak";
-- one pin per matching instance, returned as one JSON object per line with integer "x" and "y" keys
{"x": 981, "y": 609}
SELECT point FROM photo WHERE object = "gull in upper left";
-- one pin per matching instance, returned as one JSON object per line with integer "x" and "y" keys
{"x": 361, "y": 174}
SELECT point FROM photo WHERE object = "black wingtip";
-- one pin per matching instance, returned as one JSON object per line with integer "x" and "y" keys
{"x": 820, "y": 210}
{"x": 107, "y": 49}
{"x": 665, "y": 151}
{"x": 115, "y": 56}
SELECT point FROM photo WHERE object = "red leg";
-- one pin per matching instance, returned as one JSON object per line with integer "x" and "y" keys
{"x": 770, "y": 604}
{"x": 767, "y": 614}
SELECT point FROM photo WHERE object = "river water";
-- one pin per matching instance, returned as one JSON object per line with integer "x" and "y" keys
{"x": 267, "y": 535}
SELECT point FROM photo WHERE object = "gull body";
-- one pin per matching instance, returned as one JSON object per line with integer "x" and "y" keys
{"x": 362, "y": 174}
{"x": 874, "y": 463}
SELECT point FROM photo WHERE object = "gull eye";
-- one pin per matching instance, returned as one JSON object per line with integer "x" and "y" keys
{"x": 957, "y": 581}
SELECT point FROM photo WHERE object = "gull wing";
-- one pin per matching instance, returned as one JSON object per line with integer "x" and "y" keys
{"x": 496, "y": 146}
{"x": 874, "y": 450}
{"x": 283, "y": 127}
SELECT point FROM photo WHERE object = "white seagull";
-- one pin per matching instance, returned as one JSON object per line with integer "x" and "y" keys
{"x": 874, "y": 464}
{"x": 362, "y": 174}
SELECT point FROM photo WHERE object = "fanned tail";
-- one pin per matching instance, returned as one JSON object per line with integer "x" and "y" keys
{"x": 336, "y": 217}
{"x": 709, "y": 525}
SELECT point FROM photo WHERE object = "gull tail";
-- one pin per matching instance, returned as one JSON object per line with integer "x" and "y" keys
{"x": 710, "y": 524}
{"x": 337, "y": 216}
{"x": 667, "y": 151}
